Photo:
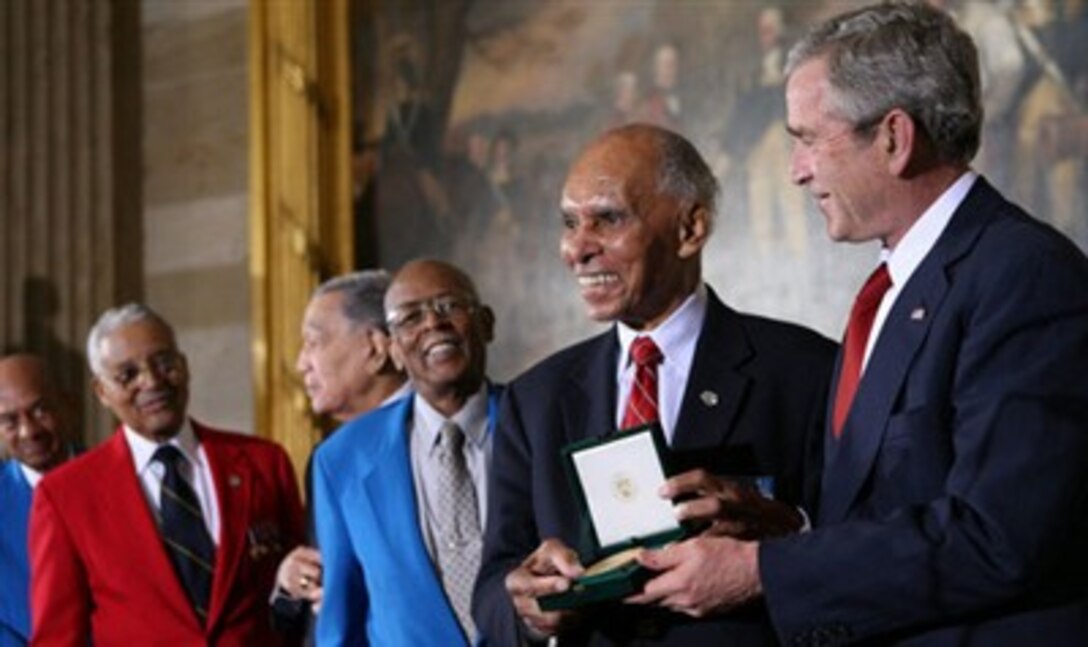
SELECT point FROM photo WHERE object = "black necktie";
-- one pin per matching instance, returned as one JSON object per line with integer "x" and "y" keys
{"x": 183, "y": 531}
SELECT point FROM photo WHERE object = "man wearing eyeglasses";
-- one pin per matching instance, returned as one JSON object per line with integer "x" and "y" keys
{"x": 399, "y": 493}
{"x": 168, "y": 533}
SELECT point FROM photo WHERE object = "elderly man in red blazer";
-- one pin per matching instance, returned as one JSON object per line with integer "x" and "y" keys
{"x": 168, "y": 533}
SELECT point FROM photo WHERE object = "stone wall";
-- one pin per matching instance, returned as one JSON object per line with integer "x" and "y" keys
{"x": 195, "y": 150}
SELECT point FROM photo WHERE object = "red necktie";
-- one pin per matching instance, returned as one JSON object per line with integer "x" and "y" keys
{"x": 642, "y": 403}
{"x": 857, "y": 337}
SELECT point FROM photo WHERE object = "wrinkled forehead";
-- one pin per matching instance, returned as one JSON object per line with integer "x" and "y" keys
{"x": 427, "y": 281}
{"x": 611, "y": 173}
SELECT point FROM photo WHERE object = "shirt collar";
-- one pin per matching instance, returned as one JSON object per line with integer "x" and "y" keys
{"x": 680, "y": 328}
{"x": 923, "y": 234}
{"x": 32, "y": 475}
{"x": 404, "y": 390}
{"x": 143, "y": 449}
{"x": 472, "y": 419}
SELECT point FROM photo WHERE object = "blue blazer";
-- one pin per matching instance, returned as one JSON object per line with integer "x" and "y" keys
{"x": 380, "y": 585}
{"x": 15, "y": 496}
{"x": 754, "y": 400}
{"x": 954, "y": 509}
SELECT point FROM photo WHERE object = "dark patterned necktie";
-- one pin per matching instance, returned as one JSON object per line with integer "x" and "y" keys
{"x": 183, "y": 531}
{"x": 457, "y": 518}
{"x": 642, "y": 402}
{"x": 857, "y": 338}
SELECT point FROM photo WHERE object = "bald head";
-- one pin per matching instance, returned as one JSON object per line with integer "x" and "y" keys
{"x": 433, "y": 272}
{"x": 36, "y": 418}
{"x": 672, "y": 164}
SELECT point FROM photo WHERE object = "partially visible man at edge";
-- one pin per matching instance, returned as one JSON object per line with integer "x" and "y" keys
{"x": 637, "y": 209}
{"x": 347, "y": 371}
{"x": 38, "y": 425}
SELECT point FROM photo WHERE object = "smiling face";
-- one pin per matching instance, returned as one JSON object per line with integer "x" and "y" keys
{"x": 842, "y": 169}
{"x": 439, "y": 330}
{"x": 628, "y": 243}
{"x": 144, "y": 379}
{"x": 35, "y": 418}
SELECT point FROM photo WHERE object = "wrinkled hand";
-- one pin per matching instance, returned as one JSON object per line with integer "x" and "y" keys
{"x": 299, "y": 575}
{"x": 701, "y": 576}
{"x": 730, "y": 508}
{"x": 549, "y": 569}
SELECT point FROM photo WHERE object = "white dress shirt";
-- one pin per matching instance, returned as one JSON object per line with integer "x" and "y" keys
{"x": 196, "y": 471}
{"x": 914, "y": 247}
{"x": 676, "y": 337}
{"x": 32, "y": 475}
{"x": 423, "y": 449}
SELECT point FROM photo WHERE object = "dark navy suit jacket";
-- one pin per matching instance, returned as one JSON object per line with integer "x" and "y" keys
{"x": 953, "y": 510}
{"x": 770, "y": 380}
{"x": 15, "y": 496}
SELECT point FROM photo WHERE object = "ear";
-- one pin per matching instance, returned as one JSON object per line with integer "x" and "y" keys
{"x": 897, "y": 136}
{"x": 693, "y": 231}
{"x": 99, "y": 390}
{"x": 379, "y": 348}
{"x": 487, "y": 323}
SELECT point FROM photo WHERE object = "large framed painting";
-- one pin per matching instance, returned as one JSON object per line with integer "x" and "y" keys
{"x": 466, "y": 113}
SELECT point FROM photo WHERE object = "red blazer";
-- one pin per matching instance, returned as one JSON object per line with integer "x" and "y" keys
{"x": 99, "y": 569}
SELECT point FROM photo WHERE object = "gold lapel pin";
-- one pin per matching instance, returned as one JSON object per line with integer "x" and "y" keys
{"x": 234, "y": 480}
{"x": 918, "y": 314}
{"x": 709, "y": 398}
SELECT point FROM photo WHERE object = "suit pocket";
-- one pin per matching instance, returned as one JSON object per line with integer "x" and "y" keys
{"x": 915, "y": 457}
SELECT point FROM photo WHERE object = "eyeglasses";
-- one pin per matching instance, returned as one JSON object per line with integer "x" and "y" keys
{"x": 165, "y": 365}
{"x": 410, "y": 317}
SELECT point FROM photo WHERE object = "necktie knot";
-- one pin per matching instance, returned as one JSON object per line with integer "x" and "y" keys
{"x": 452, "y": 438}
{"x": 644, "y": 352}
{"x": 170, "y": 456}
{"x": 875, "y": 286}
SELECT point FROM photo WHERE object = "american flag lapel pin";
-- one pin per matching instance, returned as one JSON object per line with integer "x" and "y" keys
{"x": 918, "y": 314}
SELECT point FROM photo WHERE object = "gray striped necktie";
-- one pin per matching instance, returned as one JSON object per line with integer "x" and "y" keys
{"x": 183, "y": 531}
{"x": 457, "y": 517}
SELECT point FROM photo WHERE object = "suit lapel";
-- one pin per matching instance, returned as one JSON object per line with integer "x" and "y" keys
{"x": 715, "y": 388}
{"x": 233, "y": 477}
{"x": 390, "y": 491}
{"x": 585, "y": 413}
{"x": 851, "y": 459}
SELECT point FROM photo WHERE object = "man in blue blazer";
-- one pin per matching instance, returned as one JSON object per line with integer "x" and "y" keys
{"x": 37, "y": 425}
{"x": 737, "y": 395}
{"x": 346, "y": 368}
{"x": 391, "y": 562}
{"x": 953, "y": 502}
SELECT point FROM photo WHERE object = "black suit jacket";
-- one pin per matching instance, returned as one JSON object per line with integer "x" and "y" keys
{"x": 771, "y": 382}
{"x": 954, "y": 507}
